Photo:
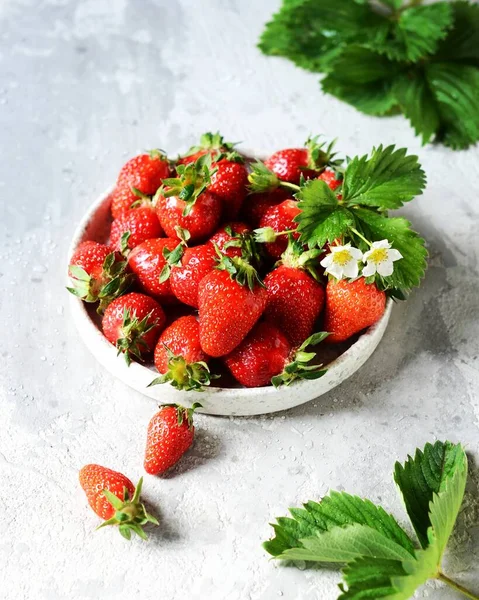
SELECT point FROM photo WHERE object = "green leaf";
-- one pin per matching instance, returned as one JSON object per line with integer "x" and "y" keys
{"x": 370, "y": 578}
{"x": 456, "y": 89}
{"x": 394, "y": 4}
{"x": 418, "y": 103}
{"x": 385, "y": 180}
{"x": 360, "y": 65}
{"x": 425, "y": 475}
{"x": 322, "y": 219}
{"x": 343, "y": 544}
{"x": 337, "y": 509}
{"x": 374, "y": 98}
{"x": 462, "y": 42}
{"x": 408, "y": 271}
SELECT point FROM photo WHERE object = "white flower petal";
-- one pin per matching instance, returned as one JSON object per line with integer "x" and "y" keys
{"x": 369, "y": 269}
{"x": 335, "y": 249}
{"x": 385, "y": 268}
{"x": 335, "y": 270}
{"x": 366, "y": 255}
{"x": 327, "y": 260}
{"x": 381, "y": 244}
{"x": 351, "y": 269}
{"x": 356, "y": 253}
{"x": 394, "y": 255}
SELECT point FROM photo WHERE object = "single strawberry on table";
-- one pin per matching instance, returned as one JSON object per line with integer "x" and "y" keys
{"x": 351, "y": 306}
{"x": 295, "y": 297}
{"x": 179, "y": 356}
{"x": 114, "y": 498}
{"x": 278, "y": 219}
{"x": 231, "y": 298}
{"x": 185, "y": 202}
{"x": 185, "y": 277}
{"x": 170, "y": 435}
{"x": 134, "y": 227}
{"x": 133, "y": 323}
{"x": 266, "y": 356}
{"x": 98, "y": 274}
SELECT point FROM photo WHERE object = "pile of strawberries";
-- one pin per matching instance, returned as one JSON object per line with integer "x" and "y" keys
{"x": 201, "y": 270}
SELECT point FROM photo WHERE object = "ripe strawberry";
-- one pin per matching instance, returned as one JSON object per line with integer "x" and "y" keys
{"x": 179, "y": 357}
{"x": 280, "y": 218}
{"x": 170, "y": 435}
{"x": 185, "y": 278}
{"x": 351, "y": 306}
{"x": 141, "y": 224}
{"x": 148, "y": 261}
{"x": 230, "y": 239}
{"x": 124, "y": 199}
{"x": 113, "y": 497}
{"x": 97, "y": 273}
{"x": 255, "y": 205}
{"x": 289, "y": 164}
{"x": 229, "y": 182}
{"x": 266, "y": 356}
{"x": 228, "y": 309}
{"x": 200, "y": 220}
{"x": 210, "y": 143}
{"x": 330, "y": 178}
{"x": 133, "y": 323}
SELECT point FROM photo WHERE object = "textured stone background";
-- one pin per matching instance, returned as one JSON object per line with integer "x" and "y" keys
{"x": 83, "y": 86}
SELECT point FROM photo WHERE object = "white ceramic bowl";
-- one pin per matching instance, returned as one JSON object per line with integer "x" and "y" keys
{"x": 215, "y": 400}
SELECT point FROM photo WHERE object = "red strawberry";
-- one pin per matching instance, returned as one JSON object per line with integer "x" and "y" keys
{"x": 229, "y": 183}
{"x": 289, "y": 164}
{"x": 113, "y": 497}
{"x": 280, "y": 218}
{"x": 148, "y": 260}
{"x": 179, "y": 357}
{"x": 228, "y": 309}
{"x": 124, "y": 199}
{"x": 295, "y": 301}
{"x": 200, "y": 220}
{"x": 141, "y": 224}
{"x": 210, "y": 143}
{"x": 330, "y": 178}
{"x": 266, "y": 356}
{"x": 351, "y": 306}
{"x": 133, "y": 323}
{"x": 229, "y": 238}
{"x": 255, "y": 205}
{"x": 185, "y": 278}
{"x": 170, "y": 435}
{"x": 97, "y": 273}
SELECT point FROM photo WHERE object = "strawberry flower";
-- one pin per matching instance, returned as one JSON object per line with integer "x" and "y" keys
{"x": 342, "y": 261}
{"x": 380, "y": 259}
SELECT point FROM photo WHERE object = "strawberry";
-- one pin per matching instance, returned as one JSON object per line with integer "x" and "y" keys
{"x": 124, "y": 199}
{"x": 185, "y": 278}
{"x": 266, "y": 356}
{"x": 133, "y": 323}
{"x": 113, "y": 497}
{"x": 351, "y": 306}
{"x": 289, "y": 164}
{"x": 134, "y": 227}
{"x": 179, "y": 357}
{"x": 184, "y": 202}
{"x": 231, "y": 238}
{"x": 229, "y": 183}
{"x": 280, "y": 218}
{"x": 148, "y": 260}
{"x": 170, "y": 435}
{"x": 255, "y": 205}
{"x": 97, "y": 273}
{"x": 210, "y": 143}
{"x": 228, "y": 308}
{"x": 330, "y": 178}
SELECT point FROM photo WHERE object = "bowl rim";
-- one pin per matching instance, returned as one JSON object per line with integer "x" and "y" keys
{"x": 80, "y": 309}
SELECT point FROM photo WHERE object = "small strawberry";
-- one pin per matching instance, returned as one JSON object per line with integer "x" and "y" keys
{"x": 266, "y": 356}
{"x": 255, "y": 205}
{"x": 133, "y": 323}
{"x": 231, "y": 239}
{"x": 330, "y": 178}
{"x": 97, "y": 273}
{"x": 179, "y": 357}
{"x": 230, "y": 301}
{"x": 170, "y": 435}
{"x": 185, "y": 202}
{"x": 229, "y": 183}
{"x": 148, "y": 261}
{"x": 134, "y": 227}
{"x": 185, "y": 278}
{"x": 295, "y": 298}
{"x": 278, "y": 219}
{"x": 113, "y": 497}
{"x": 351, "y": 306}
{"x": 124, "y": 199}
{"x": 210, "y": 143}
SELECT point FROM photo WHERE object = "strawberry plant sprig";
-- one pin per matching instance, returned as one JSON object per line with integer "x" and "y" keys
{"x": 381, "y": 560}
{"x": 389, "y": 56}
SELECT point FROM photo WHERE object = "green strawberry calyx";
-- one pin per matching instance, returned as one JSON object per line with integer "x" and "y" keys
{"x": 211, "y": 141}
{"x": 240, "y": 270}
{"x": 173, "y": 257}
{"x": 130, "y": 515}
{"x": 131, "y": 341}
{"x": 296, "y": 257}
{"x": 300, "y": 367}
{"x": 246, "y": 243}
{"x": 321, "y": 155}
{"x": 183, "y": 375}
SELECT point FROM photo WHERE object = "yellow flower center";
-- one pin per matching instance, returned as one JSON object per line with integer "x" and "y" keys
{"x": 378, "y": 255}
{"x": 342, "y": 257}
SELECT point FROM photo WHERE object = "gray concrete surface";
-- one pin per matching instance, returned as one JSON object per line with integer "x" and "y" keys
{"x": 83, "y": 86}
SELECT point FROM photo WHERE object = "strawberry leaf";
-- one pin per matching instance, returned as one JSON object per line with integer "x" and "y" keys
{"x": 375, "y": 98}
{"x": 462, "y": 42}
